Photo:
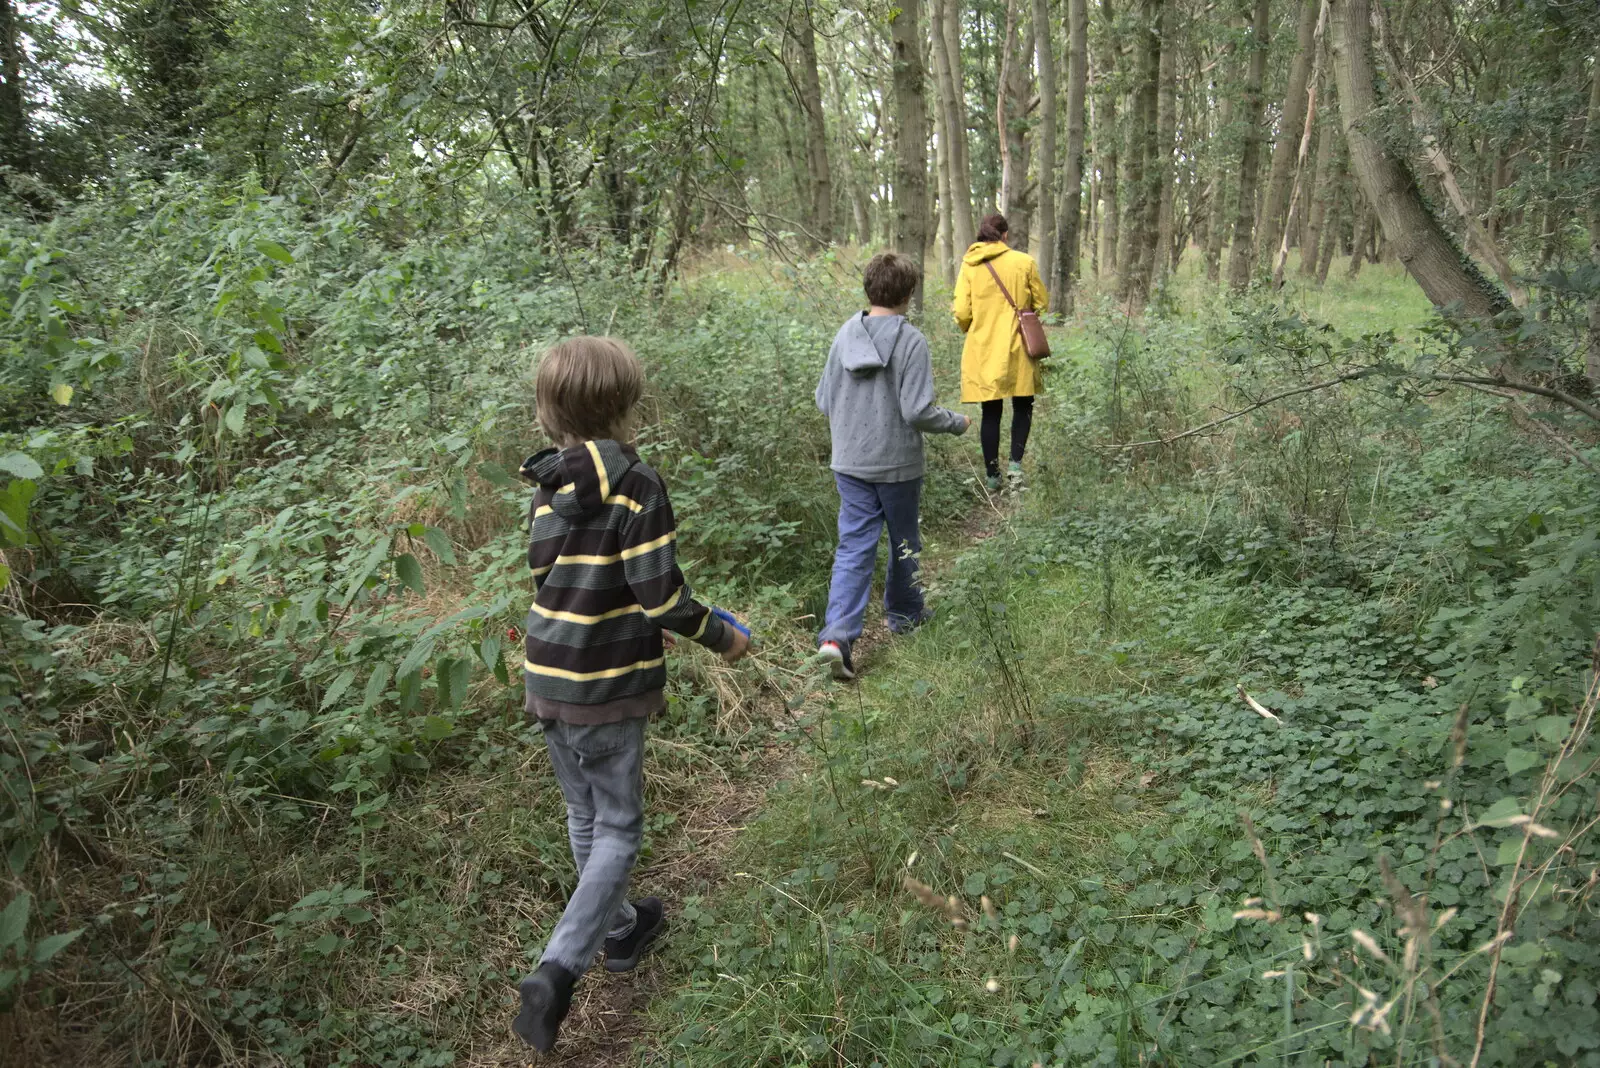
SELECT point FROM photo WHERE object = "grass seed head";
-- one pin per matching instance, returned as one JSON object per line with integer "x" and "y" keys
{"x": 1370, "y": 944}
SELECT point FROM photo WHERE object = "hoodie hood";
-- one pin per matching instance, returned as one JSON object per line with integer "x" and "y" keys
{"x": 580, "y": 478}
{"x": 869, "y": 342}
{"x": 984, "y": 250}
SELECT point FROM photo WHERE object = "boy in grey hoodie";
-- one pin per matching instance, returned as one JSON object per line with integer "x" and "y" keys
{"x": 877, "y": 392}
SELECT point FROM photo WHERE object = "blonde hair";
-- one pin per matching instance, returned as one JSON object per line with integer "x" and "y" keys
{"x": 586, "y": 388}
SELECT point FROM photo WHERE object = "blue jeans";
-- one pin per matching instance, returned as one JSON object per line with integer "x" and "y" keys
{"x": 864, "y": 509}
{"x": 601, "y": 773}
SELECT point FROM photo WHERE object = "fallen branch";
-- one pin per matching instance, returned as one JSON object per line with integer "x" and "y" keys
{"x": 1352, "y": 376}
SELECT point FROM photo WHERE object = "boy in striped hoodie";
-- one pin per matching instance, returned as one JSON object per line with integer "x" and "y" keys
{"x": 603, "y": 555}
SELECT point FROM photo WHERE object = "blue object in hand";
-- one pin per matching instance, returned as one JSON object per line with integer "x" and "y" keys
{"x": 732, "y": 621}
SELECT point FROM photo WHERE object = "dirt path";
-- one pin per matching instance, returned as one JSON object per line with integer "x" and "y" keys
{"x": 607, "y": 1027}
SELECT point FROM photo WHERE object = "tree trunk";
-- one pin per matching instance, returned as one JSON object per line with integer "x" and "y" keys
{"x": 809, "y": 87}
{"x": 1332, "y": 223}
{"x": 1432, "y": 258}
{"x": 1323, "y": 197}
{"x": 1360, "y": 233}
{"x": 1011, "y": 118}
{"x": 1106, "y": 146}
{"x": 1136, "y": 259}
{"x": 1217, "y": 228}
{"x": 1045, "y": 236}
{"x": 1067, "y": 252}
{"x": 1241, "y": 259}
{"x": 1591, "y": 145}
{"x": 910, "y": 138}
{"x": 945, "y": 254}
{"x": 1433, "y": 154}
{"x": 14, "y": 141}
{"x": 1297, "y": 197}
{"x": 1166, "y": 138}
{"x": 953, "y": 104}
{"x": 1295, "y": 103}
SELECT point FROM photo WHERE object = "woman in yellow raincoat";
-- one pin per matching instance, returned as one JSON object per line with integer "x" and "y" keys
{"x": 994, "y": 364}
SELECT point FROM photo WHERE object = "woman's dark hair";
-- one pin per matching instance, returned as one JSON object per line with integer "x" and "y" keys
{"x": 994, "y": 228}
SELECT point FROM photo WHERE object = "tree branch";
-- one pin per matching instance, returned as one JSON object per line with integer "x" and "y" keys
{"x": 1351, "y": 376}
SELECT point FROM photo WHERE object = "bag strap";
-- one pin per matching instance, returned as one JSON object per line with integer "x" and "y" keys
{"x": 1003, "y": 290}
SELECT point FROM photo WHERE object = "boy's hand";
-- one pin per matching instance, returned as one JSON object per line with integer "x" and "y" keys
{"x": 968, "y": 424}
{"x": 669, "y": 640}
{"x": 739, "y": 649}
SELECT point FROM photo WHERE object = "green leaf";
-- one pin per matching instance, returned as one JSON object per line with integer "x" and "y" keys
{"x": 410, "y": 572}
{"x": 21, "y": 465}
{"x": 234, "y": 420}
{"x": 337, "y": 688}
{"x": 1501, "y": 812}
{"x": 1553, "y": 729}
{"x": 374, "y": 557}
{"x": 14, "y": 919}
{"x": 416, "y": 657}
{"x": 493, "y": 472}
{"x": 46, "y": 948}
{"x": 439, "y": 542}
{"x": 435, "y": 728}
{"x": 5, "y": 576}
{"x": 1520, "y": 760}
{"x": 274, "y": 251}
{"x": 377, "y": 685}
{"x": 443, "y": 678}
{"x": 489, "y": 651}
{"x": 460, "y": 679}
{"x": 326, "y": 944}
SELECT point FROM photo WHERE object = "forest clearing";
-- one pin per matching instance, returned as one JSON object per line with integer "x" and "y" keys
{"x": 1251, "y": 721}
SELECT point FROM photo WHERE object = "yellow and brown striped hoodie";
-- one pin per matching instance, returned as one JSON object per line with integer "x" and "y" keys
{"x": 603, "y": 549}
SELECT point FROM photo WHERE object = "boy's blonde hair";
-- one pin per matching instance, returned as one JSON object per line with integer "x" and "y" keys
{"x": 586, "y": 388}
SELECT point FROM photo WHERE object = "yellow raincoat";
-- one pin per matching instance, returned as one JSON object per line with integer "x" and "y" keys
{"x": 994, "y": 365}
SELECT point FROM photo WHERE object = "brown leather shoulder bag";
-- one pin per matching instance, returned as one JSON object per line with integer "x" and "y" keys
{"x": 1034, "y": 342}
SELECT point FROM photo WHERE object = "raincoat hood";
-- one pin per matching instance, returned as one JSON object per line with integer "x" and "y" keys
{"x": 984, "y": 250}
{"x": 582, "y": 477}
{"x": 868, "y": 342}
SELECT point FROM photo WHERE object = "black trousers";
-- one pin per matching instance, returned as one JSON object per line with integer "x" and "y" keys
{"x": 989, "y": 431}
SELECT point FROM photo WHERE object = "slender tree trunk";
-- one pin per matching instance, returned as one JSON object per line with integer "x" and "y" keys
{"x": 1323, "y": 197}
{"x": 1332, "y": 223}
{"x": 953, "y": 105}
{"x": 945, "y": 254}
{"x": 1217, "y": 228}
{"x": 1135, "y": 260}
{"x": 1065, "y": 276}
{"x": 1241, "y": 259}
{"x": 1045, "y": 235}
{"x": 1431, "y": 257}
{"x": 1297, "y": 196}
{"x": 15, "y": 151}
{"x": 1361, "y": 232}
{"x": 1295, "y": 102}
{"x": 1591, "y": 145}
{"x": 1107, "y": 146}
{"x": 1166, "y": 138}
{"x": 809, "y": 86}
{"x": 910, "y": 137}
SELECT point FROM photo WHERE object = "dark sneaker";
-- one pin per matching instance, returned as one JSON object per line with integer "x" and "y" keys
{"x": 837, "y": 656}
{"x": 546, "y": 997}
{"x": 903, "y": 625}
{"x": 622, "y": 954}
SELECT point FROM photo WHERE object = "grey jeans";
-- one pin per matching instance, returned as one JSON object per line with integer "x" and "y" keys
{"x": 601, "y": 772}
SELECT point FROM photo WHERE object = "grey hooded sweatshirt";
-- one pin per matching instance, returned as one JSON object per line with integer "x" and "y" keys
{"x": 877, "y": 392}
